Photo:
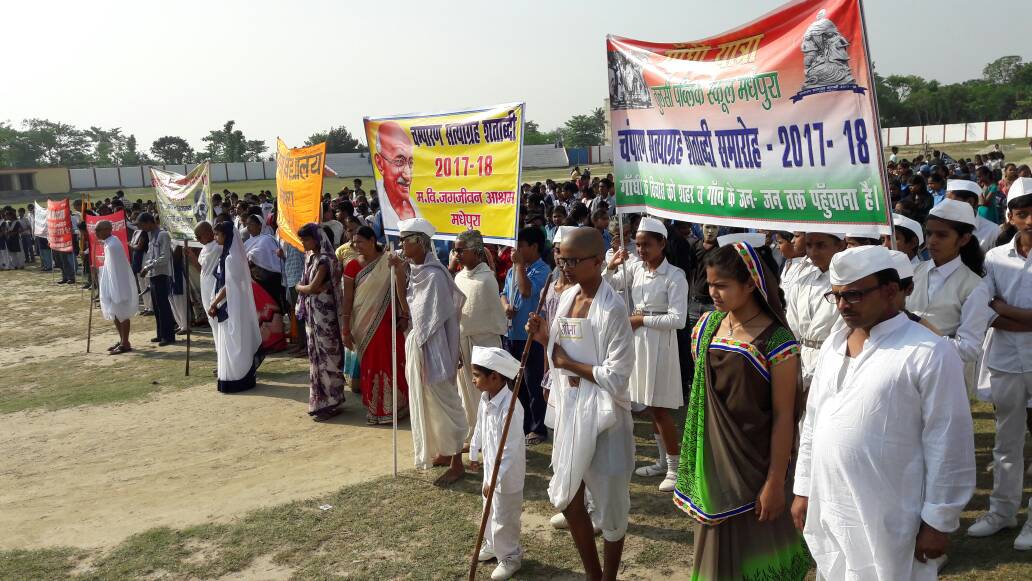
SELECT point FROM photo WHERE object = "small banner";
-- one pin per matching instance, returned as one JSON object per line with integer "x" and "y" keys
{"x": 299, "y": 184}
{"x": 59, "y": 225}
{"x": 183, "y": 201}
{"x": 771, "y": 125}
{"x": 39, "y": 220}
{"x": 458, "y": 170}
{"x": 118, "y": 230}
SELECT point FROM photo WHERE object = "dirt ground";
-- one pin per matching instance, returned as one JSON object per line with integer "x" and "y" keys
{"x": 91, "y": 475}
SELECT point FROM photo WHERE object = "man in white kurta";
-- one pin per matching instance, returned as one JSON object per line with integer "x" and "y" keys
{"x": 886, "y": 455}
{"x": 432, "y": 353}
{"x": 118, "y": 297}
{"x": 809, "y": 316}
{"x": 482, "y": 322}
{"x": 207, "y": 260}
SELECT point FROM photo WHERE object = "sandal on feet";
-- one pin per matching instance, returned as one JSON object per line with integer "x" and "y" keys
{"x": 115, "y": 346}
{"x": 534, "y": 439}
{"x": 120, "y": 349}
{"x": 322, "y": 416}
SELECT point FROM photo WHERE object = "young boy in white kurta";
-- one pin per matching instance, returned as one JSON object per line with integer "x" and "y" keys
{"x": 493, "y": 370}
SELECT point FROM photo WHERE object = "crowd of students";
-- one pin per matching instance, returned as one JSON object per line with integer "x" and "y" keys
{"x": 826, "y": 378}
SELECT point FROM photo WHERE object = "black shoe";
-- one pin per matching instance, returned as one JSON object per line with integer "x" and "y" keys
{"x": 166, "y": 343}
{"x": 155, "y": 340}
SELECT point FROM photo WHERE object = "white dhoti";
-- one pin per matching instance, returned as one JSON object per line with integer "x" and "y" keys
{"x": 179, "y": 313}
{"x": 467, "y": 391}
{"x": 435, "y": 411}
{"x": 502, "y": 535}
{"x": 142, "y": 284}
{"x": 118, "y": 300}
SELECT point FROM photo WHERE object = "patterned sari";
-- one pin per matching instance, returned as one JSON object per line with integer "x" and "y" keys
{"x": 321, "y": 313}
{"x": 371, "y": 328}
{"x": 725, "y": 452}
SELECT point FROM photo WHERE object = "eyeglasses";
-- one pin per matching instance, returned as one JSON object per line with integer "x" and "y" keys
{"x": 400, "y": 161}
{"x": 564, "y": 262}
{"x": 850, "y": 296}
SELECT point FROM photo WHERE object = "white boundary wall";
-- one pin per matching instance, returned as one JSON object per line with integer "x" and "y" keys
{"x": 957, "y": 132}
{"x": 345, "y": 164}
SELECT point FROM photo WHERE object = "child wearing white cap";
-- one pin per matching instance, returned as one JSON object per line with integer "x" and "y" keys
{"x": 494, "y": 369}
{"x": 942, "y": 284}
{"x": 1008, "y": 283}
{"x": 659, "y": 307}
{"x": 970, "y": 193}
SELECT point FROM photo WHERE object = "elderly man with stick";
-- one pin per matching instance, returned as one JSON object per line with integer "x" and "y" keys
{"x": 431, "y": 352}
{"x": 118, "y": 298}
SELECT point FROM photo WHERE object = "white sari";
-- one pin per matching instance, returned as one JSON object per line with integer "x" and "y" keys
{"x": 118, "y": 298}
{"x": 238, "y": 338}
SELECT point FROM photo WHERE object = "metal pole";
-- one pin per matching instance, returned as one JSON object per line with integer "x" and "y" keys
{"x": 394, "y": 365}
{"x": 517, "y": 382}
{"x": 877, "y": 127}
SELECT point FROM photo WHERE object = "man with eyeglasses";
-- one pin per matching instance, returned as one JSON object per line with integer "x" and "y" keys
{"x": 394, "y": 161}
{"x": 886, "y": 458}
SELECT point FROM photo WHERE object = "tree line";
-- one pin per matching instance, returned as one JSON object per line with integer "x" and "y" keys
{"x": 1004, "y": 92}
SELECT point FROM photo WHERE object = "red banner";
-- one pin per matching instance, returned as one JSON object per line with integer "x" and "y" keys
{"x": 118, "y": 230}
{"x": 59, "y": 225}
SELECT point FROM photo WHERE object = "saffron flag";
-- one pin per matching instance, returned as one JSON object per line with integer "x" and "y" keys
{"x": 299, "y": 184}
{"x": 772, "y": 125}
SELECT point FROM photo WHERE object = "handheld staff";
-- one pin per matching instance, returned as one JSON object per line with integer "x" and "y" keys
{"x": 189, "y": 313}
{"x": 517, "y": 382}
{"x": 89, "y": 325}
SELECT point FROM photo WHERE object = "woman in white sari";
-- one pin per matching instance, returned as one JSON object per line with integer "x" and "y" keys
{"x": 238, "y": 339}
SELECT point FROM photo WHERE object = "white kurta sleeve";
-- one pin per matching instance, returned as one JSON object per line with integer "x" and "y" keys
{"x": 614, "y": 373}
{"x": 975, "y": 318}
{"x": 616, "y": 278}
{"x": 677, "y": 307}
{"x": 476, "y": 442}
{"x": 948, "y": 439}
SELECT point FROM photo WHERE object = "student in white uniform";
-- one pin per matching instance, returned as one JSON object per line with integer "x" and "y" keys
{"x": 493, "y": 370}
{"x": 886, "y": 457}
{"x": 594, "y": 437}
{"x": 659, "y": 302}
{"x": 810, "y": 317}
{"x": 1008, "y": 282}
{"x": 909, "y": 237}
{"x": 967, "y": 191}
{"x": 942, "y": 284}
{"x": 793, "y": 247}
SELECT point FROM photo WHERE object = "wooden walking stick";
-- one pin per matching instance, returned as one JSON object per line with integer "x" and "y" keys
{"x": 89, "y": 326}
{"x": 517, "y": 382}
{"x": 186, "y": 289}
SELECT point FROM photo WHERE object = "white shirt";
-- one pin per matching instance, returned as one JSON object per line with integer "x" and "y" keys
{"x": 810, "y": 316}
{"x": 488, "y": 434}
{"x": 882, "y": 449}
{"x": 987, "y": 232}
{"x": 937, "y": 275}
{"x": 1008, "y": 275}
{"x": 261, "y": 251}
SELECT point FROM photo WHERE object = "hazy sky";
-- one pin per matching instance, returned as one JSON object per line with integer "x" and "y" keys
{"x": 291, "y": 68}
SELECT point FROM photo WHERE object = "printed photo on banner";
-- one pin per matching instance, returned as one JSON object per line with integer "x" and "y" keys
{"x": 118, "y": 230}
{"x": 183, "y": 200}
{"x": 59, "y": 225}
{"x": 771, "y": 125}
{"x": 459, "y": 170}
{"x": 299, "y": 183}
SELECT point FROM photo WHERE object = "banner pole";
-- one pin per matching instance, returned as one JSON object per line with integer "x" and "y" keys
{"x": 189, "y": 314}
{"x": 89, "y": 325}
{"x": 623, "y": 265}
{"x": 93, "y": 283}
{"x": 394, "y": 366}
{"x": 882, "y": 171}
{"x": 516, "y": 383}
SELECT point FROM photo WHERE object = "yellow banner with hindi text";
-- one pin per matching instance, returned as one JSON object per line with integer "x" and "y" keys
{"x": 299, "y": 184}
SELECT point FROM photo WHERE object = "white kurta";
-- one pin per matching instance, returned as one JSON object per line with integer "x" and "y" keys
{"x": 662, "y": 296}
{"x": 482, "y": 324}
{"x": 602, "y": 459}
{"x": 502, "y": 537}
{"x": 793, "y": 271}
{"x": 887, "y": 442}
{"x": 118, "y": 297}
{"x": 987, "y": 232}
{"x": 209, "y": 259}
{"x": 943, "y": 307}
{"x": 810, "y": 317}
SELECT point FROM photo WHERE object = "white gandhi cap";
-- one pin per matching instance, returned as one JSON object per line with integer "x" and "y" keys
{"x": 496, "y": 359}
{"x": 852, "y": 264}
{"x": 955, "y": 211}
{"x": 416, "y": 226}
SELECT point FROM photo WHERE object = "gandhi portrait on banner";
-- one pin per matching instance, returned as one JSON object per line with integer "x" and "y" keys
{"x": 825, "y": 55}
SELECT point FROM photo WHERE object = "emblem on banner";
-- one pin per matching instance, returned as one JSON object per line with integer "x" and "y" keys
{"x": 825, "y": 60}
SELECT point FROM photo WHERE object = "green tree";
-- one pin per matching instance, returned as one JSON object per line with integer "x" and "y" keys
{"x": 1002, "y": 70}
{"x": 338, "y": 140}
{"x": 59, "y": 144}
{"x": 532, "y": 135}
{"x": 585, "y": 130}
{"x": 229, "y": 144}
{"x": 15, "y": 149}
{"x": 172, "y": 150}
